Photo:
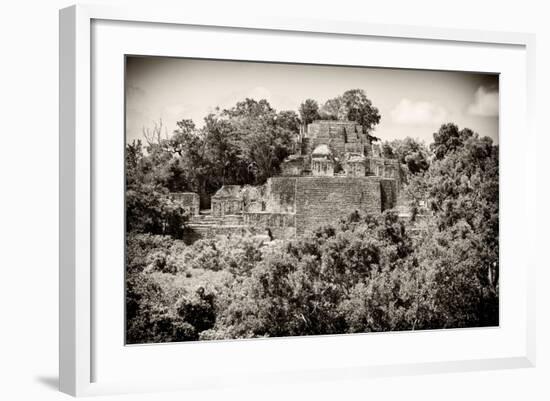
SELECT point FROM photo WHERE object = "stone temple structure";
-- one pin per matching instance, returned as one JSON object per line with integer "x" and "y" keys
{"x": 336, "y": 170}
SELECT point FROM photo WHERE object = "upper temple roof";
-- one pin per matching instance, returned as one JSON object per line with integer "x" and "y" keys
{"x": 229, "y": 191}
{"x": 354, "y": 157}
{"x": 321, "y": 150}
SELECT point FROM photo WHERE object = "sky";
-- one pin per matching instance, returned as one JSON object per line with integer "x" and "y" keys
{"x": 411, "y": 103}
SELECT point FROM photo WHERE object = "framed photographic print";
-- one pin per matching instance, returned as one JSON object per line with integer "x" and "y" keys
{"x": 277, "y": 200}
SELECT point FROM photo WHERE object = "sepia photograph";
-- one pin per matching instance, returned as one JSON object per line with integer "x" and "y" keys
{"x": 277, "y": 199}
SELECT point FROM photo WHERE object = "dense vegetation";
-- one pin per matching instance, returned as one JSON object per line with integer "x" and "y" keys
{"x": 360, "y": 274}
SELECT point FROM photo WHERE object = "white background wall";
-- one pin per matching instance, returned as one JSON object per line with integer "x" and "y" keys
{"x": 29, "y": 186}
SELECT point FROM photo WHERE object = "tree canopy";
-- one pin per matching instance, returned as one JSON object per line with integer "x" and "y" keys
{"x": 449, "y": 138}
{"x": 353, "y": 105}
{"x": 309, "y": 111}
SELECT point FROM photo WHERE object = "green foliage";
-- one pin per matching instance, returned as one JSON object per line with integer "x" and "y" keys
{"x": 464, "y": 186}
{"x": 353, "y": 105}
{"x": 303, "y": 286}
{"x": 289, "y": 121}
{"x": 463, "y": 294}
{"x": 154, "y": 316}
{"x": 412, "y": 154}
{"x": 360, "y": 109}
{"x": 237, "y": 255}
{"x": 448, "y": 139}
{"x": 264, "y": 138}
{"x": 362, "y": 274}
{"x": 155, "y": 311}
{"x": 244, "y": 144}
{"x": 334, "y": 109}
{"x": 461, "y": 191}
{"x": 309, "y": 111}
{"x": 154, "y": 253}
{"x": 149, "y": 211}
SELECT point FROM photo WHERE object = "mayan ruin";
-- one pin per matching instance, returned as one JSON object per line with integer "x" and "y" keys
{"x": 334, "y": 171}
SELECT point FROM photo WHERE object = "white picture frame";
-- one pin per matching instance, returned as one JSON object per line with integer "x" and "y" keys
{"x": 80, "y": 345}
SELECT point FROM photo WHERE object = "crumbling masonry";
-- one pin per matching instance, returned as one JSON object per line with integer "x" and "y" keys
{"x": 336, "y": 170}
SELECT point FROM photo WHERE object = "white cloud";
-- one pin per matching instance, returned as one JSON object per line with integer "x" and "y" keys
{"x": 485, "y": 103}
{"x": 418, "y": 113}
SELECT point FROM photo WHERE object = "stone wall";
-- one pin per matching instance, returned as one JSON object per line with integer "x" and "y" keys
{"x": 340, "y": 136}
{"x": 223, "y": 206}
{"x": 288, "y": 206}
{"x": 388, "y": 193}
{"x": 280, "y": 225}
{"x": 354, "y": 147}
{"x": 321, "y": 200}
{"x": 318, "y": 200}
{"x": 253, "y": 198}
{"x": 189, "y": 201}
{"x": 293, "y": 166}
{"x": 322, "y": 167}
{"x": 281, "y": 194}
{"x": 355, "y": 168}
{"x": 333, "y": 137}
{"x": 192, "y": 234}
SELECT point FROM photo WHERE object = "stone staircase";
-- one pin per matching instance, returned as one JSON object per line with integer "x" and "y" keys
{"x": 232, "y": 220}
{"x": 205, "y": 225}
{"x": 209, "y": 220}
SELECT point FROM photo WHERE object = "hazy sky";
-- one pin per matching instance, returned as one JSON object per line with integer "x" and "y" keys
{"x": 411, "y": 102}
